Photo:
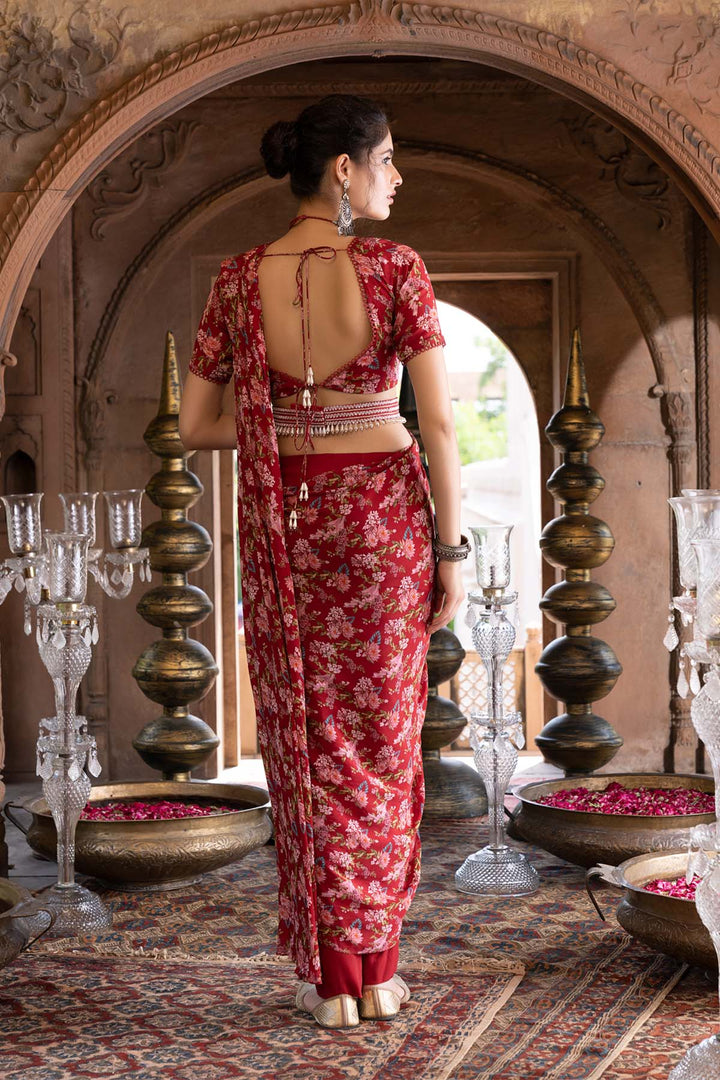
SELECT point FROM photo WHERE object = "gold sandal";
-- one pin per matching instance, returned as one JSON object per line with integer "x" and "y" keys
{"x": 340, "y": 1011}
{"x": 381, "y": 1003}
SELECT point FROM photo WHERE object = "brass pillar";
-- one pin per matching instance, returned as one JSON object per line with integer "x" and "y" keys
{"x": 577, "y": 668}
{"x": 175, "y": 670}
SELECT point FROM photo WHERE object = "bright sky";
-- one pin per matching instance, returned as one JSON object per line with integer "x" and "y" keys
{"x": 460, "y": 330}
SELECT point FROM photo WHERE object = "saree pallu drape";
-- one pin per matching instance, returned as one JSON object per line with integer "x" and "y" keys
{"x": 286, "y": 724}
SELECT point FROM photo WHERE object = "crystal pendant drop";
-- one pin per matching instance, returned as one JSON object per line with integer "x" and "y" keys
{"x": 694, "y": 678}
{"x": 682, "y": 683}
{"x": 94, "y": 766}
{"x": 670, "y": 641}
{"x": 58, "y": 639}
{"x": 471, "y": 616}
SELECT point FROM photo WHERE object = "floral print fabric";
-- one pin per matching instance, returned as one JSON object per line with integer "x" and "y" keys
{"x": 230, "y": 344}
{"x": 363, "y": 570}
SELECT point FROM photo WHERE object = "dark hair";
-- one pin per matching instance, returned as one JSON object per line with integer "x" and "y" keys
{"x": 334, "y": 125}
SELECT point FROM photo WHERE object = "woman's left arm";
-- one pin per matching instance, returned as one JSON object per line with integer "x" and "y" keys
{"x": 203, "y": 424}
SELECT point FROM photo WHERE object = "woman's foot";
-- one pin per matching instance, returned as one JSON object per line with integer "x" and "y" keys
{"x": 383, "y": 1000}
{"x": 340, "y": 1011}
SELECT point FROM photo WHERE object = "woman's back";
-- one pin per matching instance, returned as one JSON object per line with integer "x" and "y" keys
{"x": 313, "y": 296}
{"x": 336, "y": 320}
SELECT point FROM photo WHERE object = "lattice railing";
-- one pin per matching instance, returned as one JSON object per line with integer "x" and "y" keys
{"x": 468, "y": 689}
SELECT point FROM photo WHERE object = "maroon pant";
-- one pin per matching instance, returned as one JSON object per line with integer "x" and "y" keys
{"x": 347, "y": 973}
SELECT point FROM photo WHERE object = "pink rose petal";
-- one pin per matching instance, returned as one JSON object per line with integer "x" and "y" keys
{"x": 648, "y": 802}
{"x": 160, "y": 810}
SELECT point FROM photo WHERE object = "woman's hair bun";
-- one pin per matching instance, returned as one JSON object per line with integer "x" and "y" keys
{"x": 278, "y": 147}
{"x": 336, "y": 124}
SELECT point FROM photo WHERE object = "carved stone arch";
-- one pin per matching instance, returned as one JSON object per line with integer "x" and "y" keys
{"x": 361, "y": 27}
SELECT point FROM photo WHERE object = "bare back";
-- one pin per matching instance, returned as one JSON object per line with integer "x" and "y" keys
{"x": 338, "y": 327}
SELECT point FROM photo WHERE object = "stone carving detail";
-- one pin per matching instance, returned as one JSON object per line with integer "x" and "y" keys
{"x": 91, "y": 412}
{"x": 636, "y": 176}
{"x": 525, "y": 45}
{"x": 6, "y": 360}
{"x": 22, "y": 433}
{"x": 686, "y": 43}
{"x": 25, "y": 344}
{"x": 119, "y": 188}
{"x": 42, "y": 68}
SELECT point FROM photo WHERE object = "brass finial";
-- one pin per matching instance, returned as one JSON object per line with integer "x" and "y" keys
{"x": 576, "y": 387}
{"x": 170, "y": 389}
{"x": 577, "y": 668}
{"x": 175, "y": 670}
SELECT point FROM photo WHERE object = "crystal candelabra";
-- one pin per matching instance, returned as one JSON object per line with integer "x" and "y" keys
{"x": 697, "y": 516}
{"x": 702, "y": 1062}
{"x": 52, "y": 568}
{"x": 497, "y": 869}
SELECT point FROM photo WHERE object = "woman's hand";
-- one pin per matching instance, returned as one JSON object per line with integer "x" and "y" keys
{"x": 448, "y": 593}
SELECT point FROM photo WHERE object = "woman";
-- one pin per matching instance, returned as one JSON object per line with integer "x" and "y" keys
{"x": 339, "y": 561}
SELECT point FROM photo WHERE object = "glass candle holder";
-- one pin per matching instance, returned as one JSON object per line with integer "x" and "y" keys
{"x": 124, "y": 518}
{"x": 707, "y": 617}
{"x": 79, "y": 513}
{"x": 23, "y": 523}
{"x": 687, "y": 562}
{"x": 67, "y": 567}
{"x": 492, "y": 556}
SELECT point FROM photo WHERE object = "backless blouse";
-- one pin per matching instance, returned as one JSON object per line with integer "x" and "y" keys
{"x": 398, "y": 298}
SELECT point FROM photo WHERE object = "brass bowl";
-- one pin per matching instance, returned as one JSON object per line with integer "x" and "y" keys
{"x": 665, "y": 923}
{"x": 155, "y": 854}
{"x": 22, "y": 920}
{"x": 588, "y": 838}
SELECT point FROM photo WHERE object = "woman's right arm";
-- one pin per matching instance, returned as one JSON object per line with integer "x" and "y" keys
{"x": 203, "y": 424}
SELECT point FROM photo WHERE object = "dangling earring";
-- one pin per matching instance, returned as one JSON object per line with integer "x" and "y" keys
{"x": 345, "y": 218}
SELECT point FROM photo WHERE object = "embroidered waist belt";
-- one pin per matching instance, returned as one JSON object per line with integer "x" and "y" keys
{"x": 336, "y": 419}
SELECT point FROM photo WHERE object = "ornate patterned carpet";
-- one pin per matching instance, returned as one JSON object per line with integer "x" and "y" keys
{"x": 588, "y": 993}
{"x": 686, "y": 1016}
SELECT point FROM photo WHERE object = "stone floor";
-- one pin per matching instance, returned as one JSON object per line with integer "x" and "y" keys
{"x": 34, "y": 872}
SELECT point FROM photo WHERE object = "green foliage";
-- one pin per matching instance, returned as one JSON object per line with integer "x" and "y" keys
{"x": 480, "y": 437}
{"x": 481, "y": 425}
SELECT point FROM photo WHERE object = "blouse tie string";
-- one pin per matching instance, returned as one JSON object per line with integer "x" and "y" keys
{"x": 309, "y": 390}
